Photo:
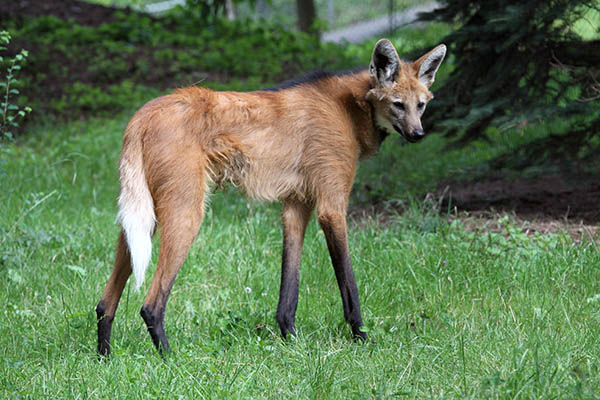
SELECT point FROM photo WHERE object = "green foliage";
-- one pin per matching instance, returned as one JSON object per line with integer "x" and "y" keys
{"x": 136, "y": 53}
{"x": 588, "y": 27}
{"x": 11, "y": 112}
{"x": 516, "y": 63}
{"x": 90, "y": 99}
{"x": 176, "y": 50}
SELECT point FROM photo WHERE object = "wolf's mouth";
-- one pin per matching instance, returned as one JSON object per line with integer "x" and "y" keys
{"x": 409, "y": 138}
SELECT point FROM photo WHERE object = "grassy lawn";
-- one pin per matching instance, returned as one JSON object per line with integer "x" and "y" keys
{"x": 451, "y": 312}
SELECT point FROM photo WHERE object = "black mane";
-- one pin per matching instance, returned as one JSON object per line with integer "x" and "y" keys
{"x": 311, "y": 77}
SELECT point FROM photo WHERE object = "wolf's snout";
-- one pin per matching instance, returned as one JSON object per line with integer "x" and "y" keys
{"x": 418, "y": 134}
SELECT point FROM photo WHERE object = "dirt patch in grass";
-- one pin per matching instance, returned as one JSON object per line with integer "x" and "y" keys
{"x": 490, "y": 220}
{"x": 546, "y": 204}
{"x": 493, "y": 221}
{"x": 553, "y": 197}
{"x": 554, "y": 180}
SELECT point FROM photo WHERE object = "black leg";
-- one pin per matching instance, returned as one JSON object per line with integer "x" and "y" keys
{"x": 295, "y": 218}
{"x": 155, "y": 321}
{"x": 334, "y": 227}
{"x": 104, "y": 328}
{"x": 106, "y": 308}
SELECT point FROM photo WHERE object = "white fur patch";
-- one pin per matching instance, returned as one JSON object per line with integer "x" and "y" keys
{"x": 431, "y": 64}
{"x": 384, "y": 124}
{"x": 136, "y": 216}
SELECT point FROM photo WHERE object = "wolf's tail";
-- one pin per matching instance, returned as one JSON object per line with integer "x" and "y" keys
{"x": 136, "y": 207}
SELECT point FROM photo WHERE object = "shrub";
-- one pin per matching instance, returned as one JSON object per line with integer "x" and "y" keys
{"x": 11, "y": 112}
{"x": 68, "y": 73}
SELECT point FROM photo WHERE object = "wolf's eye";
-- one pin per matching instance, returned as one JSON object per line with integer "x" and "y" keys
{"x": 420, "y": 105}
{"x": 399, "y": 105}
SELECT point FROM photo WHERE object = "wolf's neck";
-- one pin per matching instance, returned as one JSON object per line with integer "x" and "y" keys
{"x": 352, "y": 94}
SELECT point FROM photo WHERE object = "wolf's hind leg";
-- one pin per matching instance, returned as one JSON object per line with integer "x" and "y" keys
{"x": 295, "y": 218}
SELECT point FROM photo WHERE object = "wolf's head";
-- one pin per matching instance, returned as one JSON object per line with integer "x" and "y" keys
{"x": 400, "y": 90}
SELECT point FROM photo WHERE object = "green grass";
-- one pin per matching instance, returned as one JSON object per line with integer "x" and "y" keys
{"x": 451, "y": 313}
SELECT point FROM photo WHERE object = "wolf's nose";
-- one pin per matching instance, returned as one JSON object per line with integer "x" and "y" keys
{"x": 418, "y": 134}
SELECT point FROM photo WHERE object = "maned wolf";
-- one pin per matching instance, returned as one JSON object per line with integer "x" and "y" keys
{"x": 298, "y": 143}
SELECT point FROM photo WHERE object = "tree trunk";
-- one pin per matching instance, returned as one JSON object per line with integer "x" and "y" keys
{"x": 306, "y": 15}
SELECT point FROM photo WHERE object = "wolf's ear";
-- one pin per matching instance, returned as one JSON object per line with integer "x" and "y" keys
{"x": 384, "y": 63}
{"x": 428, "y": 64}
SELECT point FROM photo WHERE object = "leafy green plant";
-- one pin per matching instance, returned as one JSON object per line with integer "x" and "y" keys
{"x": 170, "y": 51}
{"x": 11, "y": 113}
{"x": 517, "y": 63}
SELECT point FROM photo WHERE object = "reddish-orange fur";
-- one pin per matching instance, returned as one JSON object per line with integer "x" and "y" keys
{"x": 298, "y": 145}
